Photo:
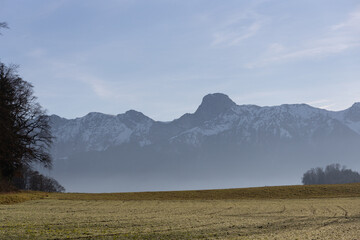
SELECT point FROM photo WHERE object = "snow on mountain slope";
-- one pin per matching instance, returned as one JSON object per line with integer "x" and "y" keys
{"x": 350, "y": 117}
{"x": 97, "y": 131}
{"x": 217, "y": 115}
{"x": 253, "y": 123}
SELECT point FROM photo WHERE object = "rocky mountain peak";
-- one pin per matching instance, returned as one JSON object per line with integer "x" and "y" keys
{"x": 136, "y": 116}
{"x": 353, "y": 113}
{"x": 91, "y": 116}
{"x": 214, "y": 104}
{"x": 356, "y": 105}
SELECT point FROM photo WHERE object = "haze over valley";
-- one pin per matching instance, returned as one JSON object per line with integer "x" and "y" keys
{"x": 220, "y": 145}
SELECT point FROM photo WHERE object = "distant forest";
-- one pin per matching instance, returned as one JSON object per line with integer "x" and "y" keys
{"x": 332, "y": 174}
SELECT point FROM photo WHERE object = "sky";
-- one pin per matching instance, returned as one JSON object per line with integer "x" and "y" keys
{"x": 161, "y": 57}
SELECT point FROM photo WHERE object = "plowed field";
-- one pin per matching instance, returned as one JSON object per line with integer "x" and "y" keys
{"x": 74, "y": 216}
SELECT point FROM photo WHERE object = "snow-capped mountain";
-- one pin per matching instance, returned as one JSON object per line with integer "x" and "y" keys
{"x": 217, "y": 115}
{"x": 219, "y": 135}
{"x": 97, "y": 131}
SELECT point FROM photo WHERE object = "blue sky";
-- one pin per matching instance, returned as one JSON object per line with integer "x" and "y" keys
{"x": 161, "y": 57}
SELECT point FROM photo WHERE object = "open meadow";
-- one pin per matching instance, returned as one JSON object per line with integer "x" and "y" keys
{"x": 288, "y": 212}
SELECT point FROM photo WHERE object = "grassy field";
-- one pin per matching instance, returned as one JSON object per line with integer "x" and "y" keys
{"x": 289, "y": 212}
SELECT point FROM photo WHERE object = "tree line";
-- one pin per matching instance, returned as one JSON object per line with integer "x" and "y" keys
{"x": 332, "y": 174}
{"x": 25, "y": 136}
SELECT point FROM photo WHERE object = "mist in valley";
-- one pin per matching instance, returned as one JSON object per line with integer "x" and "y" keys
{"x": 220, "y": 145}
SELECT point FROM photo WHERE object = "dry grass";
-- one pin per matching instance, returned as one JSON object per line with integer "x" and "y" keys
{"x": 175, "y": 219}
{"x": 293, "y": 212}
{"x": 278, "y": 192}
{"x": 21, "y": 196}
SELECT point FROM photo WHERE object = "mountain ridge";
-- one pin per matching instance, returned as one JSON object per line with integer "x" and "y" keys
{"x": 355, "y": 105}
{"x": 216, "y": 114}
{"x": 209, "y": 147}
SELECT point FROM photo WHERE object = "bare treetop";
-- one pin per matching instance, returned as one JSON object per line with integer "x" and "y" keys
{"x": 3, "y": 25}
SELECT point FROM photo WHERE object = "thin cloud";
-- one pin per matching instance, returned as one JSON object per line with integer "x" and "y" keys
{"x": 36, "y": 53}
{"x": 318, "y": 51}
{"x": 255, "y": 96}
{"x": 317, "y": 102}
{"x": 327, "y": 107}
{"x": 51, "y": 6}
{"x": 237, "y": 29}
{"x": 98, "y": 86}
{"x": 322, "y": 103}
{"x": 338, "y": 38}
{"x": 352, "y": 23}
{"x": 73, "y": 70}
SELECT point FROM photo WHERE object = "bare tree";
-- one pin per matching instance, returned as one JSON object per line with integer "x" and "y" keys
{"x": 25, "y": 136}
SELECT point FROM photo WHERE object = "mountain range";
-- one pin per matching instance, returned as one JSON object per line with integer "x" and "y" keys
{"x": 220, "y": 145}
